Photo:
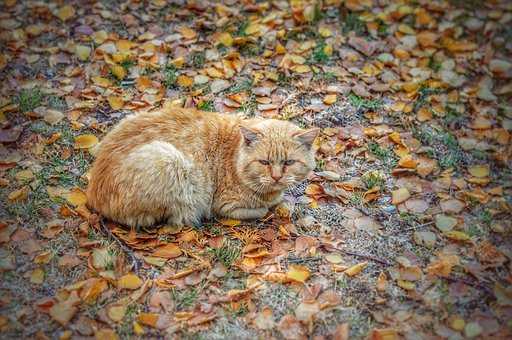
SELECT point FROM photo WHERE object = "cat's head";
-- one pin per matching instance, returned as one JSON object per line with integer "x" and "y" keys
{"x": 275, "y": 155}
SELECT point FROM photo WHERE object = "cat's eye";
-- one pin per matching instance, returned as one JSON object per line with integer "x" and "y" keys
{"x": 289, "y": 162}
{"x": 264, "y": 162}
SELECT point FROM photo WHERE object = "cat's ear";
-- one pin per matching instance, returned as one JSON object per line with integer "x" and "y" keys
{"x": 307, "y": 137}
{"x": 250, "y": 135}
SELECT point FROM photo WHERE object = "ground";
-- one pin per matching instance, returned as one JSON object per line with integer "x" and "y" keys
{"x": 402, "y": 231}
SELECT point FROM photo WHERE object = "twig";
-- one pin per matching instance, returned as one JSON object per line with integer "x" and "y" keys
{"x": 128, "y": 251}
{"x": 365, "y": 256}
{"x": 473, "y": 284}
{"x": 419, "y": 226}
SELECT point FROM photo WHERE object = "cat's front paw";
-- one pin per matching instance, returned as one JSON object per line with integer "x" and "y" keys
{"x": 248, "y": 213}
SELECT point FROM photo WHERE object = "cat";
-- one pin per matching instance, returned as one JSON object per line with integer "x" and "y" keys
{"x": 182, "y": 166}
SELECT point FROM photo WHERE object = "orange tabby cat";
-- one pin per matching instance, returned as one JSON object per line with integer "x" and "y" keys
{"x": 182, "y": 166}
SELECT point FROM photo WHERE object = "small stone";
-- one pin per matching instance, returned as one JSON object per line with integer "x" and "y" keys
{"x": 219, "y": 85}
{"x": 386, "y": 58}
{"x": 425, "y": 238}
{"x": 472, "y": 329}
{"x": 500, "y": 67}
{"x": 473, "y": 24}
{"x": 452, "y": 78}
{"x": 485, "y": 90}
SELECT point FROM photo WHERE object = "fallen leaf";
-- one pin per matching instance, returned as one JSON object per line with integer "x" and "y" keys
{"x": 169, "y": 251}
{"x": 400, "y": 195}
{"x": 129, "y": 281}
{"x": 85, "y": 141}
{"x": 298, "y": 273}
{"x": 356, "y": 269}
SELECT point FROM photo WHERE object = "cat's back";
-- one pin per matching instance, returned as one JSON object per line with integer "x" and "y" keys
{"x": 184, "y": 128}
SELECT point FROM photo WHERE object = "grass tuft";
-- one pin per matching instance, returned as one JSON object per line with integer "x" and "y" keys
{"x": 227, "y": 254}
{"x": 29, "y": 99}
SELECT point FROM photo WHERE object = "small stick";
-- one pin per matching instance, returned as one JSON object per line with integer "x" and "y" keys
{"x": 365, "y": 256}
{"x": 473, "y": 284}
{"x": 134, "y": 259}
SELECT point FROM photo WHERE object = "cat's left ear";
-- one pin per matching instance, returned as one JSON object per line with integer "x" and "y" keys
{"x": 307, "y": 137}
{"x": 250, "y": 135}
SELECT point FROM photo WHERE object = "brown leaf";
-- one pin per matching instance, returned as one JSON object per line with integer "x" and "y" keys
{"x": 291, "y": 328}
{"x": 169, "y": 251}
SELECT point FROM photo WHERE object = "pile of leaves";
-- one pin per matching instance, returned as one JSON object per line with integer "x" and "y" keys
{"x": 403, "y": 230}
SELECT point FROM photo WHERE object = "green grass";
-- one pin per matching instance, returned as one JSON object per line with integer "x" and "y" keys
{"x": 387, "y": 156}
{"x": 240, "y": 30}
{"x": 206, "y": 105}
{"x": 352, "y": 23}
{"x": 170, "y": 76}
{"x": 241, "y": 85}
{"x": 29, "y": 99}
{"x": 184, "y": 299}
{"x": 373, "y": 179}
{"x": 250, "y": 50}
{"x": 325, "y": 76}
{"x": 318, "y": 55}
{"x": 445, "y": 147}
{"x": 127, "y": 64}
{"x": 364, "y": 104}
{"x": 198, "y": 59}
{"x": 57, "y": 103}
{"x": 227, "y": 254}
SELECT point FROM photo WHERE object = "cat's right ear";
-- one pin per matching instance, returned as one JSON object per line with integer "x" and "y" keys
{"x": 250, "y": 136}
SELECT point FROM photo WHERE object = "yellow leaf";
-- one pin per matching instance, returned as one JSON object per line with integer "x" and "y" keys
{"x": 187, "y": 33}
{"x": 37, "y": 276}
{"x": 325, "y": 32}
{"x": 43, "y": 258}
{"x": 24, "y": 175}
{"x": 76, "y": 197}
{"x": 100, "y": 81}
{"x": 19, "y": 195}
{"x": 148, "y": 319}
{"x": 82, "y": 52}
{"x": 457, "y": 235}
{"x": 118, "y": 71}
{"x": 185, "y": 81}
{"x": 106, "y": 334}
{"x": 328, "y": 49}
{"x": 479, "y": 171}
{"x": 93, "y": 289}
{"x": 298, "y": 273}
{"x": 129, "y": 281}
{"x": 85, "y": 141}
{"x": 116, "y": 313}
{"x": 280, "y": 49}
{"x": 116, "y": 102}
{"x": 253, "y": 29}
{"x": 301, "y": 68}
{"x": 407, "y": 285}
{"x": 66, "y": 12}
{"x": 356, "y": 269}
{"x": 99, "y": 37}
{"x": 169, "y": 251}
{"x": 334, "y": 258}
{"x": 395, "y": 137}
{"x": 407, "y": 162}
{"x": 382, "y": 282}
{"x": 154, "y": 261}
{"x": 225, "y": 39}
{"x": 457, "y": 323}
{"x": 230, "y": 222}
{"x": 400, "y": 195}
{"x": 330, "y": 99}
{"x": 137, "y": 328}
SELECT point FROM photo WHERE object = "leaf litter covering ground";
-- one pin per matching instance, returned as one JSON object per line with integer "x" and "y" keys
{"x": 404, "y": 230}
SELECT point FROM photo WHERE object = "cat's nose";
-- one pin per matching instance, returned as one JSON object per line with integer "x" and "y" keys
{"x": 276, "y": 177}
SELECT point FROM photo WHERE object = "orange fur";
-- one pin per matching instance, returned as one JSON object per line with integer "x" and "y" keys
{"x": 182, "y": 166}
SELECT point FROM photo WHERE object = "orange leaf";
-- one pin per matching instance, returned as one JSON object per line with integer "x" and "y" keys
{"x": 169, "y": 251}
